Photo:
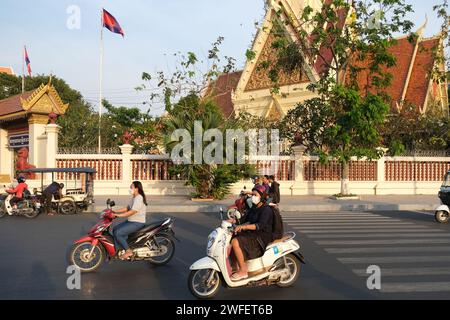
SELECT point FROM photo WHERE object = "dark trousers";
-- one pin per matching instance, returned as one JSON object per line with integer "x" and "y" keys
{"x": 47, "y": 197}
{"x": 15, "y": 200}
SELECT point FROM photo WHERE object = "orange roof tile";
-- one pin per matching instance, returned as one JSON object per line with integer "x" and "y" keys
{"x": 7, "y": 70}
{"x": 221, "y": 89}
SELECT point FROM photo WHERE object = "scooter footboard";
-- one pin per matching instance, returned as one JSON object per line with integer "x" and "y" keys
{"x": 205, "y": 263}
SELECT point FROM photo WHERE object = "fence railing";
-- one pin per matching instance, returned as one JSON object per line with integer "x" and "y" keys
{"x": 127, "y": 166}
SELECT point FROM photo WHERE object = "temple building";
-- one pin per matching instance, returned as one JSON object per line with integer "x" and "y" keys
{"x": 249, "y": 90}
{"x": 28, "y": 133}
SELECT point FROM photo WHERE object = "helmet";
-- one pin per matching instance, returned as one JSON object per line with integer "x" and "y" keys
{"x": 20, "y": 179}
{"x": 61, "y": 185}
{"x": 261, "y": 190}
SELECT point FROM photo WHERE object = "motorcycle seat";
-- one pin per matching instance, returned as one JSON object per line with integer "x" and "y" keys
{"x": 145, "y": 229}
{"x": 285, "y": 237}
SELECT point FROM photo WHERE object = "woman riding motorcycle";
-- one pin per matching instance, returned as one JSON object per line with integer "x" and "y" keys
{"x": 254, "y": 234}
{"x": 18, "y": 192}
{"x": 136, "y": 214}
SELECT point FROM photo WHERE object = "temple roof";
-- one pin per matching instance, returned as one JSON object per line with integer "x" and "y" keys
{"x": 221, "y": 91}
{"x": 44, "y": 100}
{"x": 7, "y": 70}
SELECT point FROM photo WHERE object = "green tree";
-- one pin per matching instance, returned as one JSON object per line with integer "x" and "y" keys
{"x": 348, "y": 115}
{"x": 210, "y": 180}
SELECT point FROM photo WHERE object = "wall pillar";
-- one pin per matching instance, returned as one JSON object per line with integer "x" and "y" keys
{"x": 126, "y": 150}
{"x": 299, "y": 152}
{"x": 37, "y": 129}
{"x": 51, "y": 131}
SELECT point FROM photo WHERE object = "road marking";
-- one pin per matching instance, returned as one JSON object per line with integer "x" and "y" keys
{"x": 401, "y": 272}
{"x": 375, "y": 230}
{"x": 343, "y": 221}
{"x": 381, "y": 235}
{"x": 377, "y": 260}
{"x": 343, "y": 228}
{"x": 392, "y": 241}
{"x": 415, "y": 287}
{"x": 342, "y": 224}
{"x": 387, "y": 250}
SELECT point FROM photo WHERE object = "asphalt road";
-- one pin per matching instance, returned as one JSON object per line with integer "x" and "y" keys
{"x": 411, "y": 249}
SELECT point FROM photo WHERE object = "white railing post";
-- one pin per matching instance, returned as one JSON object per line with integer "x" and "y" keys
{"x": 127, "y": 150}
{"x": 299, "y": 152}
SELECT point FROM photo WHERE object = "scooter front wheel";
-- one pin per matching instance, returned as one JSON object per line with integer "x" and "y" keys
{"x": 442, "y": 216}
{"x": 204, "y": 283}
{"x": 86, "y": 257}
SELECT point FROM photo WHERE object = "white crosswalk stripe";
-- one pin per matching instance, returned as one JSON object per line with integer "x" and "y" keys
{"x": 413, "y": 258}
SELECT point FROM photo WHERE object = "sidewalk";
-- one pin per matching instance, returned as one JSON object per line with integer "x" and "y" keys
{"x": 179, "y": 204}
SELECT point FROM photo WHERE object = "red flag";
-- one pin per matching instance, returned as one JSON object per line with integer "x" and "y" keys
{"x": 110, "y": 23}
{"x": 27, "y": 60}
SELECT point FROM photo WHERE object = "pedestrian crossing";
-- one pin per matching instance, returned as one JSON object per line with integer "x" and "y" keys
{"x": 413, "y": 258}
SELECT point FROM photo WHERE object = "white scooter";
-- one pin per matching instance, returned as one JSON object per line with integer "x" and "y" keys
{"x": 280, "y": 264}
{"x": 442, "y": 213}
{"x": 28, "y": 208}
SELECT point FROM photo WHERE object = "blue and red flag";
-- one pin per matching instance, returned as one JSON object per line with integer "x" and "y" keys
{"x": 110, "y": 23}
{"x": 27, "y": 61}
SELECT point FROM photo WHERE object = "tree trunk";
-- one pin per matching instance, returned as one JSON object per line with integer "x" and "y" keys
{"x": 345, "y": 189}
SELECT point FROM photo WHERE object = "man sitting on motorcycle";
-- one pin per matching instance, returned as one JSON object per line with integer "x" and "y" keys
{"x": 18, "y": 192}
{"x": 253, "y": 236}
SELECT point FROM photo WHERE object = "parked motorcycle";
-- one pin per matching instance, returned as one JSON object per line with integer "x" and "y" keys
{"x": 28, "y": 207}
{"x": 280, "y": 264}
{"x": 442, "y": 213}
{"x": 154, "y": 243}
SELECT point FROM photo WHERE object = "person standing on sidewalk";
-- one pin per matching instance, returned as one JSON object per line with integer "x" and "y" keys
{"x": 136, "y": 218}
{"x": 274, "y": 190}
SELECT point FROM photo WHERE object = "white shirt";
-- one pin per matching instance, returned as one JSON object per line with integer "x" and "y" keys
{"x": 137, "y": 204}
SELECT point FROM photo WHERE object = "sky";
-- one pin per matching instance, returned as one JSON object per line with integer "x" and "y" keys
{"x": 154, "y": 31}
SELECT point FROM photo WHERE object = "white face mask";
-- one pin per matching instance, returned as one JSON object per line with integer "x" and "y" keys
{"x": 256, "y": 199}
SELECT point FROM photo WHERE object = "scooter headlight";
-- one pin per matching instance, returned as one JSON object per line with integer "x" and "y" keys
{"x": 211, "y": 239}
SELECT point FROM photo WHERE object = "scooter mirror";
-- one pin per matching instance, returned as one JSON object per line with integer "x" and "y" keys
{"x": 221, "y": 213}
{"x": 112, "y": 204}
{"x": 108, "y": 202}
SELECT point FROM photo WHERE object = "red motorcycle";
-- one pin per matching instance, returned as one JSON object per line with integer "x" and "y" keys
{"x": 154, "y": 243}
{"x": 239, "y": 205}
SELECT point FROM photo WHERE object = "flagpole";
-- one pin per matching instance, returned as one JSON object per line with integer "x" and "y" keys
{"x": 23, "y": 69}
{"x": 101, "y": 87}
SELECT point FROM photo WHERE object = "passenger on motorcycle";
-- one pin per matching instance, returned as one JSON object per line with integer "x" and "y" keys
{"x": 18, "y": 192}
{"x": 136, "y": 214}
{"x": 253, "y": 236}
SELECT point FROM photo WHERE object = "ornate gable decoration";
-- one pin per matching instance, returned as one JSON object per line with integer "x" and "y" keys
{"x": 259, "y": 78}
{"x": 44, "y": 100}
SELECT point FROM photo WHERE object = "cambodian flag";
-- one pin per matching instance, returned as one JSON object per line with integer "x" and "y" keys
{"x": 110, "y": 23}
{"x": 27, "y": 60}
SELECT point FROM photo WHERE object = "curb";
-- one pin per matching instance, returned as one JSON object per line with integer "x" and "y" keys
{"x": 287, "y": 208}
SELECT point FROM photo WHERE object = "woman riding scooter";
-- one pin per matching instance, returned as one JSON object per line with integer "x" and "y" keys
{"x": 18, "y": 192}
{"x": 136, "y": 214}
{"x": 253, "y": 236}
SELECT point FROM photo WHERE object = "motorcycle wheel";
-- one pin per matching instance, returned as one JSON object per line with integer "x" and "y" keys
{"x": 294, "y": 270}
{"x": 198, "y": 286}
{"x": 68, "y": 207}
{"x": 33, "y": 214}
{"x": 442, "y": 216}
{"x": 167, "y": 246}
{"x": 79, "y": 256}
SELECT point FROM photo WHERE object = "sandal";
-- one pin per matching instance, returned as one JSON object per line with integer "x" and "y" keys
{"x": 125, "y": 256}
{"x": 236, "y": 277}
